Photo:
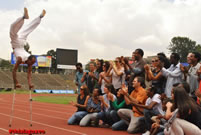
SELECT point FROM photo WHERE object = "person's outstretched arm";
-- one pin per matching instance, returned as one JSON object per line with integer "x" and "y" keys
{"x": 18, "y": 62}
{"x": 29, "y": 76}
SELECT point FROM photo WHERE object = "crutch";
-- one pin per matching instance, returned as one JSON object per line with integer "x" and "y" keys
{"x": 30, "y": 100}
{"x": 12, "y": 109}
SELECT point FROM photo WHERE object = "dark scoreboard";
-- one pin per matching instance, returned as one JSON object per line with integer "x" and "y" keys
{"x": 66, "y": 57}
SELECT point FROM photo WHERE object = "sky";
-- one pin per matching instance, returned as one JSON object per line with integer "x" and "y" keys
{"x": 103, "y": 29}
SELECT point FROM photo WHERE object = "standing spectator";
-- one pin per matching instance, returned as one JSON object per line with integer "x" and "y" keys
{"x": 164, "y": 59}
{"x": 99, "y": 66}
{"x": 78, "y": 76}
{"x": 158, "y": 81}
{"x": 116, "y": 71}
{"x": 139, "y": 95}
{"x": 91, "y": 78}
{"x": 81, "y": 105}
{"x": 103, "y": 78}
{"x": 137, "y": 68}
{"x": 173, "y": 73}
{"x": 191, "y": 73}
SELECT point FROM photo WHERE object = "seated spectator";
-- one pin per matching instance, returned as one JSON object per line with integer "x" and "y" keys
{"x": 152, "y": 107}
{"x": 186, "y": 86}
{"x": 104, "y": 115}
{"x": 93, "y": 108}
{"x": 189, "y": 117}
{"x": 182, "y": 127}
{"x": 139, "y": 96}
{"x": 118, "y": 104}
{"x": 198, "y": 94}
{"x": 159, "y": 120}
{"x": 81, "y": 105}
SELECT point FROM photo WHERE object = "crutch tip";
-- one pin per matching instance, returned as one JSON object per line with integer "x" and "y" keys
{"x": 9, "y": 125}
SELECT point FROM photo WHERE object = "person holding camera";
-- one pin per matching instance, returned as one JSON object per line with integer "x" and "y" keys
{"x": 91, "y": 78}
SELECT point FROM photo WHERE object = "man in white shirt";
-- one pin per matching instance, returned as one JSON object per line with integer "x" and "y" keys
{"x": 191, "y": 73}
{"x": 152, "y": 107}
{"x": 173, "y": 73}
{"x": 18, "y": 41}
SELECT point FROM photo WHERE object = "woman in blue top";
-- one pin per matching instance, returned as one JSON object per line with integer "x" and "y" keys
{"x": 93, "y": 107}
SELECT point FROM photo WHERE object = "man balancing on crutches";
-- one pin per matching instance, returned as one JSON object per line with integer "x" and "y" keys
{"x": 18, "y": 40}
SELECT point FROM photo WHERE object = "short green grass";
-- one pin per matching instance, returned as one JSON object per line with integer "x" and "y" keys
{"x": 55, "y": 99}
{"x": 17, "y": 92}
{"x": 59, "y": 99}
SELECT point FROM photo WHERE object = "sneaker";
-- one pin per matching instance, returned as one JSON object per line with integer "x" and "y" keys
{"x": 26, "y": 15}
{"x": 146, "y": 133}
{"x": 43, "y": 13}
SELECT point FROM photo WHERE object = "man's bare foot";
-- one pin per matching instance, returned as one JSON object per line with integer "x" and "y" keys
{"x": 17, "y": 86}
{"x": 43, "y": 13}
{"x": 31, "y": 86}
{"x": 26, "y": 15}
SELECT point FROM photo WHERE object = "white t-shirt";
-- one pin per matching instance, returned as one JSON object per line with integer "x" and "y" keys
{"x": 103, "y": 84}
{"x": 20, "y": 52}
{"x": 108, "y": 101}
{"x": 117, "y": 81}
{"x": 158, "y": 106}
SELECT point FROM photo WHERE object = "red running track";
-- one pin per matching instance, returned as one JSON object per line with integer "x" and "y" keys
{"x": 46, "y": 116}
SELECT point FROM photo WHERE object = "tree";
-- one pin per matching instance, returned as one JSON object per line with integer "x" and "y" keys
{"x": 27, "y": 47}
{"x": 6, "y": 64}
{"x": 52, "y": 53}
{"x": 182, "y": 46}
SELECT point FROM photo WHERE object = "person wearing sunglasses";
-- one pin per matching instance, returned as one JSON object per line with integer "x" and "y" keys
{"x": 155, "y": 75}
{"x": 103, "y": 78}
{"x": 81, "y": 105}
{"x": 116, "y": 72}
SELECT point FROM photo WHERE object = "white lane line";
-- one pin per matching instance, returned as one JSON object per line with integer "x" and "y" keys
{"x": 68, "y": 130}
{"x": 6, "y": 130}
{"x": 36, "y": 113}
{"x": 35, "y": 103}
{"x": 40, "y": 109}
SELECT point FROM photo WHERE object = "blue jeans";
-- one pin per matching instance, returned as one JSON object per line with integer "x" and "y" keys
{"x": 76, "y": 117}
{"x": 147, "y": 117}
{"x": 120, "y": 125}
{"x": 105, "y": 117}
{"x": 115, "y": 117}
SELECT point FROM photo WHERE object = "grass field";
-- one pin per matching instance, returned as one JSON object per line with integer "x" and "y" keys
{"x": 58, "y": 99}
{"x": 17, "y": 92}
{"x": 55, "y": 99}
